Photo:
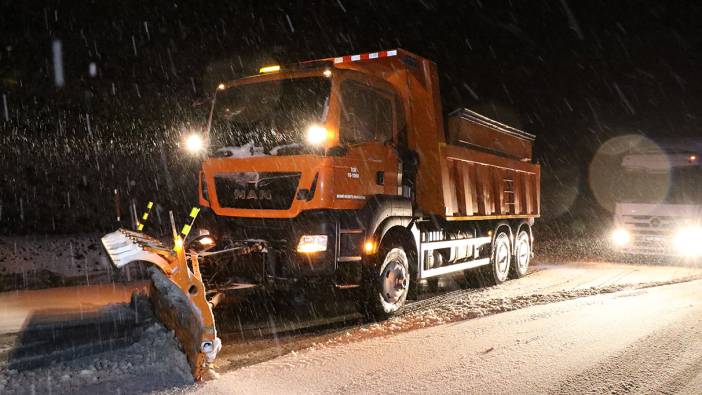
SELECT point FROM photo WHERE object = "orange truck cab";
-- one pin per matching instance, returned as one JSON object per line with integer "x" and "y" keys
{"x": 341, "y": 170}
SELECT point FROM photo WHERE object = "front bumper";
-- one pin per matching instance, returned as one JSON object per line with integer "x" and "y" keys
{"x": 648, "y": 245}
{"x": 279, "y": 261}
{"x": 662, "y": 245}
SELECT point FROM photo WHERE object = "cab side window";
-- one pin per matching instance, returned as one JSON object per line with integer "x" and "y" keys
{"x": 366, "y": 114}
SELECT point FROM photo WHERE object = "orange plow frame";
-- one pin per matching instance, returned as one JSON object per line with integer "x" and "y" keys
{"x": 177, "y": 293}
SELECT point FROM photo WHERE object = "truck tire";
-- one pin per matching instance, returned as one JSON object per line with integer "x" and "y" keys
{"x": 497, "y": 271}
{"x": 522, "y": 255}
{"x": 388, "y": 283}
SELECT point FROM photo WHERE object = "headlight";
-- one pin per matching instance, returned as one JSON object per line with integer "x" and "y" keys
{"x": 317, "y": 135}
{"x": 688, "y": 241}
{"x": 203, "y": 242}
{"x": 194, "y": 143}
{"x": 621, "y": 237}
{"x": 312, "y": 243}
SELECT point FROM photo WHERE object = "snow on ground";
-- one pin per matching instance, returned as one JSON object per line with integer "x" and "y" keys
{"x": 48, "y": 261}
{"x": 70, "y": 256}
{"x": 154, "y": 362}
{"x": 594, "y": 247}
{"x": 546, "y": 284}
{"x": 639, "y": 340}
{"x": 151, "y": 363}
{"x": 31, "y": 262}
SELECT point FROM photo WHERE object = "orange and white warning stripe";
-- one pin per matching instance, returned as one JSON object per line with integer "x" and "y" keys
{"x": 365, "y": 56}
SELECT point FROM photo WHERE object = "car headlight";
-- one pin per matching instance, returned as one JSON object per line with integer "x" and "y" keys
{"x": 621, "y": 237}
{"x": 688, "y": 241}
{"x": 312, "y": 243}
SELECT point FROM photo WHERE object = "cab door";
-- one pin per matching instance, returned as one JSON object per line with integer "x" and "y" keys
{"x": 367, "y": 130}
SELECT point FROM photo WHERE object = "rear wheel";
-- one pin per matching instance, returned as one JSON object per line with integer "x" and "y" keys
{"x": 387, "y": 286}
{"x": 522, "y": 255}
{"x": 501, "y": 259}
{"x": 497, "y": 271}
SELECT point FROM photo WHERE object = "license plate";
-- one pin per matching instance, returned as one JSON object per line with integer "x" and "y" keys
{"x": 653, "y": 239}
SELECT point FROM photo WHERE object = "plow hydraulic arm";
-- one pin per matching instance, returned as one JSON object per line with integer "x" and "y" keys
{"x": 177, "y": 293}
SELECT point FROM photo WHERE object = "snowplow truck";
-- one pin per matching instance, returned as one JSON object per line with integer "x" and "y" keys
{"x": 341, "y": 172}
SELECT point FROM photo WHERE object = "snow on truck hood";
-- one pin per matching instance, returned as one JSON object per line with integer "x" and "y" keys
{"x": 249, "y": 150}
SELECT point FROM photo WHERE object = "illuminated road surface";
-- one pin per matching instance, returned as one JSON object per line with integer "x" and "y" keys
{"x": 59, "y": 304}
{"x": 636, "y": 341}
{"x": 563, "y": 328}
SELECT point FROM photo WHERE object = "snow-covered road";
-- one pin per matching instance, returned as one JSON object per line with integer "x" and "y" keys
{"x": 564, "y": 328}
{"x": 641, "y": 340}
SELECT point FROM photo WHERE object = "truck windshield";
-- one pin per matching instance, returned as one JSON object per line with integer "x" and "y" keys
{"x": 682, "y": 185}
{"x": 268, "y": 117}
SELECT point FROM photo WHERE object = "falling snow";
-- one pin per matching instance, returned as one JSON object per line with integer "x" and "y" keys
{"x": 97, "y": 99}
{"x": 58, "y": 63}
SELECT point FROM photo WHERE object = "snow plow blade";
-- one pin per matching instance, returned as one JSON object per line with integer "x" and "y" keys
{"x": 177, "y": 293}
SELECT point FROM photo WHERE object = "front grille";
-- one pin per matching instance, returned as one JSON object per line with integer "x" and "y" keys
{"x": 651, "y": 235}
{"x": 256, "y": 191}
{"x": 649, "y": 243}
{"x": 649, "y": 224}
{"x": 270, "y": 229}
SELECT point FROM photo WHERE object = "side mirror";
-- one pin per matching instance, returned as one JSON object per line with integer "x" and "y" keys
{"x": 390, "y": 143}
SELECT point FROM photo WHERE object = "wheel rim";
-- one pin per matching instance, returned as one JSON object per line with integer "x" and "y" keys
{"x": 502, "y": 256}
{"x": 395, "y": 281}
{"x": 523, "y": 253}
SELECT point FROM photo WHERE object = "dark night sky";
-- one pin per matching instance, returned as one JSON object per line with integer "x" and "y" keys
{"x": 574, "y": 73}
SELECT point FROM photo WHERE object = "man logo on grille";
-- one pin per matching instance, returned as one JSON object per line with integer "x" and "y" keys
{"x": 252, "y": 194}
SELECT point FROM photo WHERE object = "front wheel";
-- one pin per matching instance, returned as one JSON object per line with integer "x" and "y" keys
{"x": 387, "y": 286}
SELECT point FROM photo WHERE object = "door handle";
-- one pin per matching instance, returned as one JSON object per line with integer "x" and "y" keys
{"x": 380, "y": 177}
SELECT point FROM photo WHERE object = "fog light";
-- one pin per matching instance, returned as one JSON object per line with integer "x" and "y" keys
{"x": 203, "y": 242}
{"x": 621, "y": 237}
{"x": 688, "y": 241}
{"x": 369, "y": 247}
{"x": 312, "y": 243}
{"x": 207, "y": 241}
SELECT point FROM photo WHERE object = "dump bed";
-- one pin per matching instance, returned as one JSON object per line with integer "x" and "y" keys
{"x": 487, "y": 170}
{"x": 479, "y": 169}
{"x": 470, "y": 129}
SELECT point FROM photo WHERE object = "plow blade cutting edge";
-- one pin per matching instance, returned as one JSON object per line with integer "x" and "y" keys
{"x": 177, "y": 293}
